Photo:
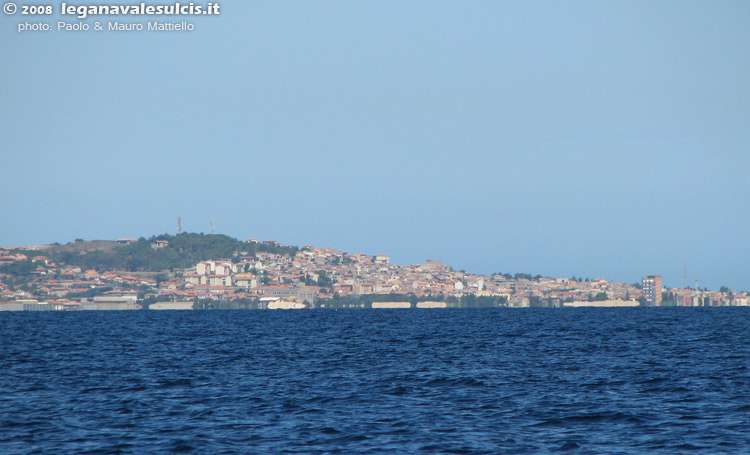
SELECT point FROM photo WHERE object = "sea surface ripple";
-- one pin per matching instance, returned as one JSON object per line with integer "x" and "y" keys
{"x": 485, "y": 381}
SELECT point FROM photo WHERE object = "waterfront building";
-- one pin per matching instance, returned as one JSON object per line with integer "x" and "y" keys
{"x": 652, "y": 290}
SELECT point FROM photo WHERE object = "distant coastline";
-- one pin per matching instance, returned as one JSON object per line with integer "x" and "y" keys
{"x": 214, "y": 271}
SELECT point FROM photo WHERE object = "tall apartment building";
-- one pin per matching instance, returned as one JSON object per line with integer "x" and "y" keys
{"x": 652, "y": 289}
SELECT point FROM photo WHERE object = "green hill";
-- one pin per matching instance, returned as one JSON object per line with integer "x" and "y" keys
{"x": 183, "y": 250}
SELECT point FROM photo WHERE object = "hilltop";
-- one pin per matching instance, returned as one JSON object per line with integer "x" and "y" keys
{"x": 158, "y": 252}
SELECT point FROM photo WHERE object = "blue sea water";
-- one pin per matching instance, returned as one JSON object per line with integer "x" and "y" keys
{"x": 625, "y": 381}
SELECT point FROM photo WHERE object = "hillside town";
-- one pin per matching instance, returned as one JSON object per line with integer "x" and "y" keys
{"x": 311, "y": 277}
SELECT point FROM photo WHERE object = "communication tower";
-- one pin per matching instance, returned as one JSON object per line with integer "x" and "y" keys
{"x": 684, "y": 276}
{"x": 179, "y": 225}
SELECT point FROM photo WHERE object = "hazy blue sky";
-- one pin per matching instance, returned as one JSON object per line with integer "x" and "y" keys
{"x": 595, "y": 139}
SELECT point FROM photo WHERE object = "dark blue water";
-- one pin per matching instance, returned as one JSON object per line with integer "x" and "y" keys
{"x": 594, "y": 381}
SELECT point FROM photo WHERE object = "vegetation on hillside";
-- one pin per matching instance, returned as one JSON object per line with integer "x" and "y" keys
{"x": 183, "y": 250}
{"x": 18, "y": 268}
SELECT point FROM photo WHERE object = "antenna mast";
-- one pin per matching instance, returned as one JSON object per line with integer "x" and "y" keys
{"x": 179, "y": 225}
{"x": 684, "y": 276}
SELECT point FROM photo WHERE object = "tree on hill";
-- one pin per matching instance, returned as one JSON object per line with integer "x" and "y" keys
{"x": 18, "y": 268}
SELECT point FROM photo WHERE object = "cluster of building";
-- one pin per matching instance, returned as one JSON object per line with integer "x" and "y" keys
{"x": 313, "y": 275}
